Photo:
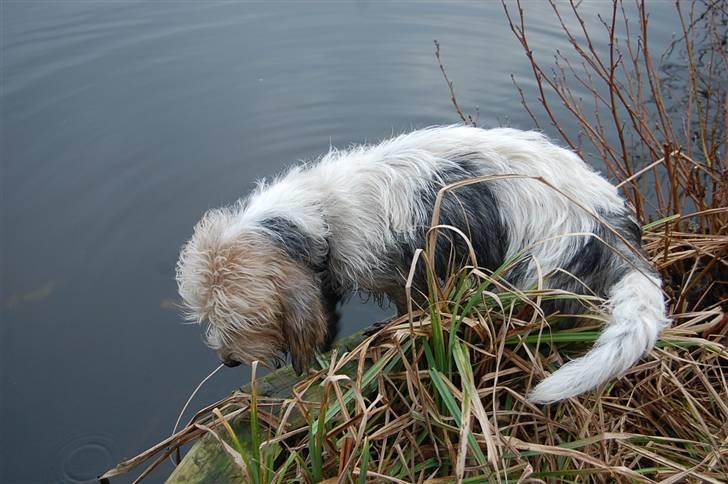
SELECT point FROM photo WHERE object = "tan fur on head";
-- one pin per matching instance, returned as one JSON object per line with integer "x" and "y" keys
{"x": 256, "y": 302}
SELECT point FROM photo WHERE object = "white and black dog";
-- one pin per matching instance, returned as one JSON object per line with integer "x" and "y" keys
{"x": 267, "y": 273}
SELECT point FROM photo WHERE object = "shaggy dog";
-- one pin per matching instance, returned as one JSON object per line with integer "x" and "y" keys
{"x": 267, "y": 274}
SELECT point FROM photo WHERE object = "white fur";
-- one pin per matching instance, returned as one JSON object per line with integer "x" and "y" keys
{"x": 637, "y": 319}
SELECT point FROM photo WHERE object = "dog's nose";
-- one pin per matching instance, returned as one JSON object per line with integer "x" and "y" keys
{"x": 231, "y": 363}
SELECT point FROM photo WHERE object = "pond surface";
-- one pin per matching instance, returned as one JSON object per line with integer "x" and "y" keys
{"x": 122, "y": 122}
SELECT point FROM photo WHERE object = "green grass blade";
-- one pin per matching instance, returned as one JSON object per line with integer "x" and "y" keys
{"x": 284, "y": 468}
{"x": 454, "y": 409}
{"x": 364, "y": 466}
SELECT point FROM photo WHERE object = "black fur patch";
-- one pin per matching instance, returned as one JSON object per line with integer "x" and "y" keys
{"x": 601, "y": 261}
{"x": 331, "y": 302}
{"x": 473, "y": 209}
{"x": 295, "y": 242}
{"x": 598, "y": 262}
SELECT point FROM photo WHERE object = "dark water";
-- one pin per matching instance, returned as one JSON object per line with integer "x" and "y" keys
{"x": 122, "y": 122}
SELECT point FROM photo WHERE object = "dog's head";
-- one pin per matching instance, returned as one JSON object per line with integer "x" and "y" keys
{"x": 255, "y": 302}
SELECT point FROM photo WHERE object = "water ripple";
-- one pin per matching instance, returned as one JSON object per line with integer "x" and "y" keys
{"x": 83, "y": 458}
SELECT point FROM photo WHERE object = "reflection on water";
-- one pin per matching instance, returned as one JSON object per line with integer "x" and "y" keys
{"x": 123, "y": 121}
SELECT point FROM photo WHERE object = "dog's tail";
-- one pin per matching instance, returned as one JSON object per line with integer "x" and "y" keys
{"x": 638, "y": 316}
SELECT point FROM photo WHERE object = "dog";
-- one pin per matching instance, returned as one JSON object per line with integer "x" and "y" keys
{"x": 266, "y": 274}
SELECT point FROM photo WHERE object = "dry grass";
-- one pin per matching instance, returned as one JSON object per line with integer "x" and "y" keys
{"x": 409, "y": 405}
{"x": 438, "y": 395}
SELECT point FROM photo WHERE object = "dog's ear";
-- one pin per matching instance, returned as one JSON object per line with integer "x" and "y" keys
{"x": 304, "y": 323}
